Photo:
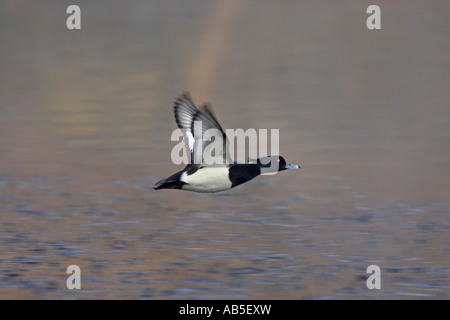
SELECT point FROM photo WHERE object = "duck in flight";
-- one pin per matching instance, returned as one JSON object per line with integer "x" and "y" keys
{"x": 199, "y": 176}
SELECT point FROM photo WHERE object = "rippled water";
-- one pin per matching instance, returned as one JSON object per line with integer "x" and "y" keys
{"x": 85, "y": 129}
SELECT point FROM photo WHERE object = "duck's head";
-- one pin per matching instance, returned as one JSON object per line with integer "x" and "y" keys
{"x": 273, "y": 164}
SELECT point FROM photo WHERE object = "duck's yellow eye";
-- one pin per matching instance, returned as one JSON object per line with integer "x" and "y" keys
{"x": 278, "y": 160}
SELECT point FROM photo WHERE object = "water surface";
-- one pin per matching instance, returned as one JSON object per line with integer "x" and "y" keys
{"x": 85, "y": 125}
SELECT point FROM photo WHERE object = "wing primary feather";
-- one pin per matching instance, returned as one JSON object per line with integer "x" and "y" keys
{"x": 187, "y": 116}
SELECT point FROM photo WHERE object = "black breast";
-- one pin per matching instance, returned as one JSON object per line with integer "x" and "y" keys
{"x": 240, "y": 173}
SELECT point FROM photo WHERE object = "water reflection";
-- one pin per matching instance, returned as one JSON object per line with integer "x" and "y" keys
{"x": 85, "y": 125}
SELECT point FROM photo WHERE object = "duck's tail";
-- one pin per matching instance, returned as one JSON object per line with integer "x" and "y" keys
{"x": 173, "y": 182}
{"x": 159, "y": 184}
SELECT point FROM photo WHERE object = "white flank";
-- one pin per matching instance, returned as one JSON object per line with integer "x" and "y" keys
{"x": 212, "y": 179}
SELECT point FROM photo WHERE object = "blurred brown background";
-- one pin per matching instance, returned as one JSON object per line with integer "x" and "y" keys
{"x": 85, "y": 125}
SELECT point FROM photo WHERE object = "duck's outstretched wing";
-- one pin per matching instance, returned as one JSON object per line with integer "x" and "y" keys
{"x": 194, "y": 123}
